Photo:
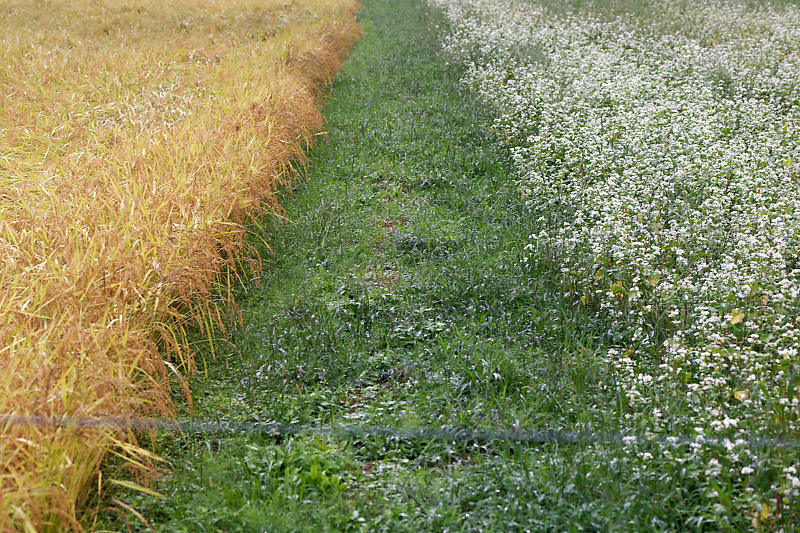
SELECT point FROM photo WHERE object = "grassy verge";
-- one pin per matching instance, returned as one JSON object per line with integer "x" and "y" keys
{"x": 395, "y": 293}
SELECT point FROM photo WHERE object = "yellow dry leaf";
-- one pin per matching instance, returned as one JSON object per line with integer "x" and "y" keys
{"x": 618, "y": 288}
{"x": 741, "y": 395}
{"x": 736, "y": 316}
{"x": 135, "y": 486}
{"x": 764, "y": 511}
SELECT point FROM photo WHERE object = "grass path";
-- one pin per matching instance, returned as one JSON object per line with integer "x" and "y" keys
{"x": 395, "y": 295}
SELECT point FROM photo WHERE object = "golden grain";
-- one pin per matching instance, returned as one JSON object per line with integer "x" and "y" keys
{"x": 136, "y": 137}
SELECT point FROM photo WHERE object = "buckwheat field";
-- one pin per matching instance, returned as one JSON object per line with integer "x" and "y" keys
{"x": 657, "y": 149}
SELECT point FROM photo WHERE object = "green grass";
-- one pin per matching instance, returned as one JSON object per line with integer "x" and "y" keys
{"x": 394, "y": 294}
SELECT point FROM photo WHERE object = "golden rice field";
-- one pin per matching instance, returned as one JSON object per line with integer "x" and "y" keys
{"x": 136, "y": 137}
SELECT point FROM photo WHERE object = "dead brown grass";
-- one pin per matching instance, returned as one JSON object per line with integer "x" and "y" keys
{"x": 136, "y": 137}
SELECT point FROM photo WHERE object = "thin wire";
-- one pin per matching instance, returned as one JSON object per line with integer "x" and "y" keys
{"x": 365, "y": 431}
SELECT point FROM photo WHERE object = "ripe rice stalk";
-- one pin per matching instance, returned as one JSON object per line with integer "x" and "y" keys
{"x": 136, "y": 139}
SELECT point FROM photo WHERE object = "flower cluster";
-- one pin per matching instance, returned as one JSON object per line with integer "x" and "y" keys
{"x": 659, "y": 153}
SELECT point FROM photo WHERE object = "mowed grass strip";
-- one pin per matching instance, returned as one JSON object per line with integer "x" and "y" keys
{"x": 135, "y": 139}
{"x": 395, "y": 295}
